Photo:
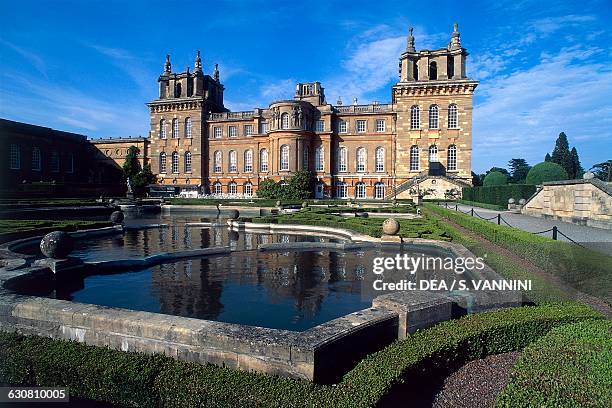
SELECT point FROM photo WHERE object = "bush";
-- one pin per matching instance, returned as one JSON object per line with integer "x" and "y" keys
{"x": 546, "y": 171}
{"x": 484, "y": 205}
{"x": 569, "y": 367}
{"x": 498, "y": 195}
{"x": 268, "y": 189}
{"x": 134, "y": 379}
{"x": 495, "y": 178}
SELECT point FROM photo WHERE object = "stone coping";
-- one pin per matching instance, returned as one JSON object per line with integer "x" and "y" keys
{"x": 321, "y": 354}
{"x": 602, "y": 185}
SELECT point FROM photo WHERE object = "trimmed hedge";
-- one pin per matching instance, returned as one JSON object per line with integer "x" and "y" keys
{"x": 569, "y": 367}
{"x": 585, "y": 270}
{"x": 498, "y": 195}
{"x": 495, "y": 178}
{"x": 484, "y": 205}
{"x": 546, "y": 171}
{"x": 139, "y": 380}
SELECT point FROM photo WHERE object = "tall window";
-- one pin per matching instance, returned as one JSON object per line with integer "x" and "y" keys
{"x": 175, "y": 128}
{"x": 380, "y": 159}
{"x": 342, "y": 159}
{"x": 70, "y": 163}
{"x": 15, "y": 157}
{"x": 217, "y": 132}
{"x": 233, "y": 161}
{"x": 319, "y": 159}
{"x": 380, "y": 125}
{"x": 248, "y": 189}
{"x": 360, "y": 190}
{"x": 248, "y": 161}
{"x": 414, "y": 158}
{"x": 320, "y": 126}
{"x": 415, "y": 117}
{"x": 216, "y": 188}
{"x": 162, "y": 162}
{"x": 232, "y": 131}
{"x": 361, "y": 126}
{"x": 175, "y": 162}
{"x": 285, "y": 121}
{"x": 55, "y": 162}
{"x": 342, "y": 126}
{"x": 433, "y": 70}
{"x": 379, "y": 191}
{"x": 36, "y": 159}
{"x": 263, "y": 160}
{"x": 433, "y": 153}
{"x": 433, "y": 117}
{"x": 452, "y": 116}
{"x": 305, "y": 159}
{"x": 162, "y": 129}
{"x": 248, "y": 130}
{"x": 452, "y": 158}
{"x": 263, "y": 127}
{"x": 341, "y": 190}
{"x": 361, "y": 159}
{"x": 284, "y": 158}
{"x": 232, "y": 188}
{"x": 188, "y": 128}
{"x": 187, "y": 162}
{"x": 218, "y": 161}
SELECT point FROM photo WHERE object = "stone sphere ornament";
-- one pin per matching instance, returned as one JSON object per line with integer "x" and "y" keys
{"x": 117, "y": 217}
{"x": 588, "y": 175}
{"x": 304, "y": 204}
{"x": 278, "y": 203}
{"x": 233, "y": 214}
{"x": 361, "y": 214}
{"x": 522, "y": 201}
{"x": 56, "y": 244}
{"x": 391, "y": 226}
{"x": 511, "y": 201}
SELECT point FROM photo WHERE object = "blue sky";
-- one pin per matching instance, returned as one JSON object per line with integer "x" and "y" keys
{"x": 90, "y": 66}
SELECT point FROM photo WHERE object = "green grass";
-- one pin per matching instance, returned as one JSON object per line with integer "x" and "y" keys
{"x": 569, "y": 367}
{"x": 133, "y": 379}
{"x": 259, "y": 202}
{"x": 482, "y": 205}
{"x": 15, "y": 226}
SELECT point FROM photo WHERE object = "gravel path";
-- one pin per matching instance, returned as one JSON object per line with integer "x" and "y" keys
{"x": 476, "y": 384}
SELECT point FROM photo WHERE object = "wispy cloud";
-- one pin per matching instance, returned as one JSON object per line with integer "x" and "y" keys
{"x": 36, "y": 61}
{"x": 130, "y": 64}
{"x": 279, "y": 89}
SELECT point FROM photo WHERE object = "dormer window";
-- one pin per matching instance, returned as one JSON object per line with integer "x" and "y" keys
{"x": 433, "y": 70}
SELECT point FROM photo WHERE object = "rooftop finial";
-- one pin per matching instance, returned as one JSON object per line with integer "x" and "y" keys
{"x": 216, "y": 73}
{"x": 410, "y": 43}
{"x": 339, "y": 102}
{"x": 198, "y": 62}
{"x": 455, "y": 43}
{"x": 167, "y": 65}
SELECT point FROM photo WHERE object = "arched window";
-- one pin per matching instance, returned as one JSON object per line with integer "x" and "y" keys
{"x": 263, "y": 160}
{"x": 162, "y": 129}
{"x": 452, "y": 116}
{"x": 414, "y": 158}
{"x": 433, "y": 117}
{"x": 15, "y": 157}
{"x": 187, "y": 164}
{"x": 188, "y": 128}
{"x": 284, "y": 158}
{"x": 285, "y": 121}
{"x": 415, "y": 117}
{"x": 36, "y": 159}
{"x": 178, "y": 90}
{"x": 379, "y": 191}
{"x": 162, "y": 162}
{"x": 360, "y": 190}
{"x": 433, "y": 153}
{"x": 342, "y": 159}
{"x": 452, "y": 158}
{"x": 361, "y": 159}
{"x": 341, "y": 190}
{"x": 216, "y": 188}
{"x": 248, "y": 189}
{"x": 248, "y": 161}
{"x": 232, "y": 188}
{"x": 319, "y": 159}
{"x": 233, "y": 161}
{"x": 380, "y": 158}
{"x": 175, "y": 162}
{"x": 450, "y": 67}
{"x": 218, "y": 161}
{"x": 175, "y": 128}
{"x": 433, "y": 70}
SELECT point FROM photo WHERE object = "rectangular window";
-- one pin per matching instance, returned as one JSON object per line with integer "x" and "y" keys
{"x": 320, "y": 126}
{"x": 342, "y": 126}
{"x": 342, "y": 160}
{"x": 217, "y": 132}
{"x": 55, "y": 162}
{"x": 36, "y": 159}
{"x": 232, "y": 131}
{"x": 361, "y": 126}
{"x": 248, "y": 130}
{"x": 15, "y": 157}
{"x": 380, "y": 125}
{"x": 320, "y": 159}
{"x": 263, "y": 127}
{"x": 71, "y": 164}
{"x": 305, "y": 164}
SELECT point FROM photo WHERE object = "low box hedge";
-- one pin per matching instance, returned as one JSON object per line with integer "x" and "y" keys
{"x": 498, "y": 195}
{"x": 483, "y": 205}
{"x": 569, "y": 367}
{"x": 139, "y": 380}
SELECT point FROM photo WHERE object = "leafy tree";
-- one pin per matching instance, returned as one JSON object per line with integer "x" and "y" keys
{"x": 562, "y": 155}
{"x": 477, "y": 180}
{"x": 139, "y": 177}
{"x": 546, "y": 171}
{"x": 518, "y": 170}
{"x": 300, "y": 186}
{"x": 500, "y": 170}
{"x": 131, "y": 167}
{"x": 577, "y": 170}
{"x": 495, "y": 178}
{"x": 603, "y": 171}
{"x": 268, "y": 189}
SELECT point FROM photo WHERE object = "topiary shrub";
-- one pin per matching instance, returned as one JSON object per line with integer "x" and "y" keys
{"x": 545, "y": 171}
{"x": 495, "y": 178}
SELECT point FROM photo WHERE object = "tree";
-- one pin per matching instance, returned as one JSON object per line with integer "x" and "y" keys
{"x": 495, "y": 178}
{"x": 603, "y": 171}
{"x": 577, "y": 170}
{"x": 268, "y": 189}
{"x": 499, "y": 169}
{"x": 300, "y": 186}
{"x": 562, "y": 155}
{"x": 518, "y": 170}
{"x": 476, "y": 179}
{"x": 131, "y": 167}
{"x": 546, "y": 171}
{"x": 547, "y": 158}
{"x": 139, "y": 177}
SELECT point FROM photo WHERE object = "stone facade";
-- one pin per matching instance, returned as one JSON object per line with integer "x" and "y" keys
{"x": 113, "y": 151}
{"x": 354, "y": 151}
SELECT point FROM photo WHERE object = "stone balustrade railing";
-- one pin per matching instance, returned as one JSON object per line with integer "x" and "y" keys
{"x": 371, "y": 108}
{"x": 231, "y": 115}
